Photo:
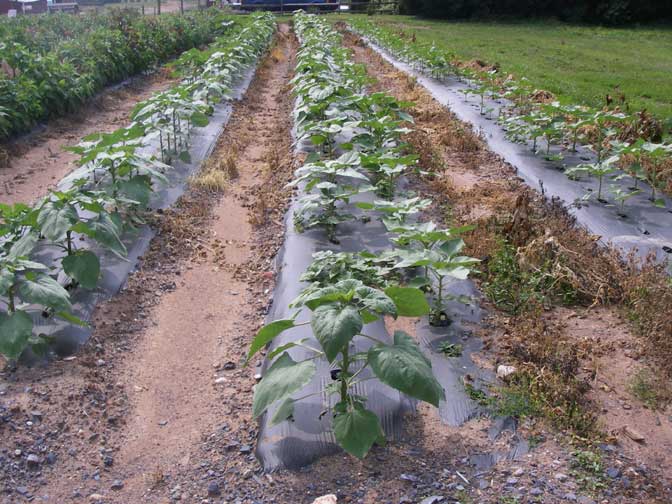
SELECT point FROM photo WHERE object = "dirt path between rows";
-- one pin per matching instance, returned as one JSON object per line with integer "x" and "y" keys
{"x": 37, "y": 161}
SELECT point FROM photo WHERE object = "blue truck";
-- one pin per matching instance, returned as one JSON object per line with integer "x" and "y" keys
{"x": 289, "y": 5}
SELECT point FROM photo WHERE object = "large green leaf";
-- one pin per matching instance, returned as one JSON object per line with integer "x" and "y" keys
{"x": 6, "y": 281}
{"x": 15, "y": 330}
{"x": 452, "y": 247}
{"x": 138, "y": 188}
{"x": 334, "y": 325}
{"x": 23, "y": 246}
{"x": 44, "y": 291}
{"x": 376, "y": 301}
{"x": 284, "y": 411}
{"x": 410, "y": 302}
{"x": 56, "y": 220}
{"x": 266, "y": 335}
{"x": 356, "y": 431}
{"x": 282, "y": 379}
{"x": 84, "y": 267}
{"x": 199, "y": 119}
{"x": 105, "y": 231}
{"x": 404, "y": 367}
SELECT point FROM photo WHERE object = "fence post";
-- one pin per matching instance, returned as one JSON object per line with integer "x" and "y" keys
{"x": 158, "y": 6}
{"x": 181, "y": 6}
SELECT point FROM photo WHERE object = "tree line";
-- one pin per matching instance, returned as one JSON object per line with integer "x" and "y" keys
{"x": 591, "y": 11}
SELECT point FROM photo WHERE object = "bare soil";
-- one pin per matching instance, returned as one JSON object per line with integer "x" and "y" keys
{"x": 37, "y": 161}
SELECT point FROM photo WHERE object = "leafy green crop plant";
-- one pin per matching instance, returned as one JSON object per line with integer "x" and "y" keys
{"x": 113, "y": 187}
{"x": 437, "y": 253}
{"x": 528, "y": 114}
{"x": 339, "y": 314}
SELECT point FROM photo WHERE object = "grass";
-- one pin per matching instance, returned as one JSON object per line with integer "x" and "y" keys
{"x": 579, "y": 64}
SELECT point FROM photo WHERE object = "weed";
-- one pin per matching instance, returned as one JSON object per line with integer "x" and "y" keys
{"x": 450, "y": 349}
{"x": 653, "y": 391}
{"x": 476, "y": 395}
{"x": 509, "y": 499}
{"x": 588, "y": 461}
{"x": 4, "y": 158}
{"x": 229, "y": 166}
{"x": 463, "y": 497}
{"x": 648, "y": 297}
{"x": 546, "y": 383}
{"x": 516, "y": 290}
{"x": 516, "y": 400}
{"x": 588, "y": 470}
{"x": 277, "y": 55}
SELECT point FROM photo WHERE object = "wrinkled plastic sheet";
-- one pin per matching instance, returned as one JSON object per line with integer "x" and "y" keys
{"x": 296, "y": 443}
{"x": 645, "y": 227}
{"x": 307, "y": 437}
{"x": 66, "y": 337}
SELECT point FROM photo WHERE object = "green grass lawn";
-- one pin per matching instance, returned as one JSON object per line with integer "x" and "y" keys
{"x": 579, "y": 64}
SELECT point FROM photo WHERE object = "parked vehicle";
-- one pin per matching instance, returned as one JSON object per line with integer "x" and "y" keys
{"x": 290, "y": 5}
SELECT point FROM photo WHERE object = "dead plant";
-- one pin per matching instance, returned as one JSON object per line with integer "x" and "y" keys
{"x": 648, "y": 304}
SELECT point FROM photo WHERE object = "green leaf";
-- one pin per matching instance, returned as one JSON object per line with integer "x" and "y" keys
{"x": 185, "y": 157}
{"x": 6, "y": 281}
{"x": 71, "y": 318}
{"x": 266, "y": 335}
{"x": 369, "y": 317}
{"x": 452, "y": 247}
{"x": 404, "y": 367}
{"x": 55, "y": 221}
{"x": 411, "y": 302}
{"x": 105, "y": 231}
{"x": 23, "y": 246}
{"x": 356, "y": 431}
{"x": 334, "y": 325}
{"x": 284, "y": 411}
{"x": 282, "y": 379}
{"x": 199, "y": 119}
{"x": 138, "y": 188}
{"x": 84, "y": 267}
{"x": 376, "y": 301}
{"x": 419, "y": 282}
{"x": 277, "y": 351}
{"x": 44, "y": 291}
{"x": 15, "y": 330}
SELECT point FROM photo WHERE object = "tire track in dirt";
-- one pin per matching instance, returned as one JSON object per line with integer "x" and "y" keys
{"x": 37, "y": 161}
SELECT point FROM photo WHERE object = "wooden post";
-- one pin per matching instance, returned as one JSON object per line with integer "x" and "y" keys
{"x": 158, "y": 6}
{"x": 181, "y": 6}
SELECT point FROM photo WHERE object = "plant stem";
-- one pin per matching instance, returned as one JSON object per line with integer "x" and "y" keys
{"x": 439, "y": 295}
{"x": 344, "y": 373}
{"x": 11, "y": 308}
{"x": 68, "y": 238}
